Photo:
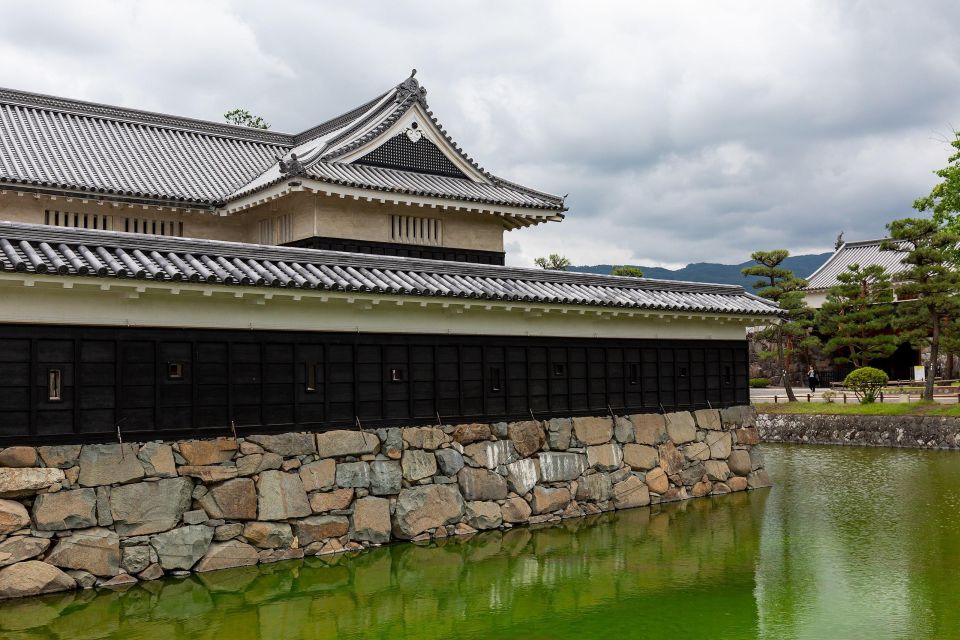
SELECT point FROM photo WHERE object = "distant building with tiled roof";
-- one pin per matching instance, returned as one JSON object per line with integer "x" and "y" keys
{"x": 862, "y": 252}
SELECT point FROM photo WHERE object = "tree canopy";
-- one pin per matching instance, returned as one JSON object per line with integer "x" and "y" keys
{"x": 943, "y": 201}
{"x": 857, "y": 316}
{"x": 553, "y": 262}
{"x": 243, "y": 118}
{"x": 791, "y": 334}
{"x": 631, "y": 272}
{"x": 928, "y": 286}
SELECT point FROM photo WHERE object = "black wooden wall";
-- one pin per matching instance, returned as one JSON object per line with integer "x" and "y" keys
{"x": 167, "y": 383}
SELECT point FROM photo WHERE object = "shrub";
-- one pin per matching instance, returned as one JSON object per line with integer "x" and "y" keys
{"x": 759, "y": 383}
{"x": 829, "y": 395}
{"x": 866, "y": 382}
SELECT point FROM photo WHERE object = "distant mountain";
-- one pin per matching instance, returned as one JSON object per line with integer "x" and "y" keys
{"x": 802, "y": 266}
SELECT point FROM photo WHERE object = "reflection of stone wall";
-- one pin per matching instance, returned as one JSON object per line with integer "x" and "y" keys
{"x": 916, "y": 432}
{"x": 78, "y": 516}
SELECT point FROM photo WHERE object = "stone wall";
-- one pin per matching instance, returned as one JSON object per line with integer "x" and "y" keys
{"x": 917, "y": 432}
{"x": 107, "y": 515}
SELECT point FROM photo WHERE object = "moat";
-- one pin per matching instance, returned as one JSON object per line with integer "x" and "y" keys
{"x": 850, "y": 543}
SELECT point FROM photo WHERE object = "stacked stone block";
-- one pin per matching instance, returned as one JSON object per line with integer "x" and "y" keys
{"x": 106, "y": 515}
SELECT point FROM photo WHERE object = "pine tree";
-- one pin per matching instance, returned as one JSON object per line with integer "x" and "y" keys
{"x": 243, "y": 118}
{"x": 791, "y": 334}
{"x": 928, "y": 286}
{"x": 553, "y": 262}
{"x": 857, "y": 316}
{"x": 630, "y": 272}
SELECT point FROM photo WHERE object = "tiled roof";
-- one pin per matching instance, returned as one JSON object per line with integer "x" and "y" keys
{"x": 59, "y": 144}
{"x": 75, "y": 252}
{"x": 864, "y": 253}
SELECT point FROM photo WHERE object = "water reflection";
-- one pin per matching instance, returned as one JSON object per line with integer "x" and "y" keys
{"x": 851, "y": 543}
{"x": 678, "y": 570}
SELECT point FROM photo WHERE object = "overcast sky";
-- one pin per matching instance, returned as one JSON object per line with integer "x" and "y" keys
{"x": 683, "y": 132}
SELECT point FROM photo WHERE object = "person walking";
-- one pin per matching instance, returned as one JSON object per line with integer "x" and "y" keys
{"x": 812, "y": 379}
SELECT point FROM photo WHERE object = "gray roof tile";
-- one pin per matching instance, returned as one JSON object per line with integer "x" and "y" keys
{"x": 76, "y": 252}
{"x": 864, "y": 253}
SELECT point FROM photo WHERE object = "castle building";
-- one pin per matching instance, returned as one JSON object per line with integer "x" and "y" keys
{"x": 165, "y": 277}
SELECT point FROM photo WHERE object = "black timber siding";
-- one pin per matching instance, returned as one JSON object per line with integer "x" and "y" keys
{"x": 171, "y": 383}
{"x": 453, "y": 254}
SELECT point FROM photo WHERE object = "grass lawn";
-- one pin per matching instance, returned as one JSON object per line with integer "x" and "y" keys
{"x": 875, "y": 409}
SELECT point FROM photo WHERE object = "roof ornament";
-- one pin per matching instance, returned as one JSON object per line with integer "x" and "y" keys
{"x": 291, "y": 167}
{"x": 839, "y": 242}
{"x": 410, "y": 87}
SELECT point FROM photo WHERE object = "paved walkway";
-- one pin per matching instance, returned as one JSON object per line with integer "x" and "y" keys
{"x": 803, "y": 395}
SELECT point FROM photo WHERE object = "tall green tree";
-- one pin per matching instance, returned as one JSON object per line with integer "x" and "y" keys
{"x": 928, "y": 285}
{"x": 631, "y": 272}
{"x": 943, "y": 201}
{"x": 857, "y": 316}
{"x": 243, "y": 118}
{"x": 791, "y": 333}
{"x": 553, "y": 262}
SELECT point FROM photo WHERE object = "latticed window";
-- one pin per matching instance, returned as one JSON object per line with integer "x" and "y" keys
{"x": 414, "y": 230}
{"x": 145, "y": 226}
{"x": 277, "y": 230}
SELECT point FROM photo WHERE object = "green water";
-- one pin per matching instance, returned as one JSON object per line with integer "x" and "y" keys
{"x": 851, "y": 543}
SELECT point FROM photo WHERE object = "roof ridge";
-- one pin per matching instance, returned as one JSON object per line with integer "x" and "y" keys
{"x": 44, "y": 233}
{"x": 141, "y": 116}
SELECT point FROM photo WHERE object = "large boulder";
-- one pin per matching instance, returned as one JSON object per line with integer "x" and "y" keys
{"x": 450, "y": 461}
{"x": 523, "y": 475}
{"x": 515, "y": 510}
{"x": 630, "y": 493}
{"x": 19, "y": 548}
{"x": 203, "y": 453}
{"x": 32, "y": 578}
{"x": 748, "y": 436}
{"x": 739, "y": 462}
{"x": 331, "y": 500}
{"x": 561, "y": 467}
{"x": 469, "y": 433}
{"x": 157, "y": 460}
{"x": 697, "y": 451}
{"x": 623, "y": 430}
{"x": 281, "y": 496}
{"x": 26, "y": 482}
{"x": 547, "y": 500}
{"x": 287, "y": 444}
{"x": 209, "y": 474}
{"x": 109, "y": 464}
{"x": 671, "y": 460}
{"x": 708, "y": 419}
{"x": 386, "y": 476}
{"x": 716, "y": 470}
{"x": 59, "y": 456}
{"x": 657, "y": 480}
{"x": 353, "y": 474}
{"x": 482, "y": 484}
{"x": 95, "y": 551}
{"x": 527, "y": 437}
{"x": 425, "y": 437}
{"x": 649, "y": 428}
{"x": 594, "y": 488}
{"x": 418, "y": 464}
{"x": 13, "y": 516}
{"x": 181, "y": 548}
{"x": 371, "y": 520}
{"x": 758, "y": 479}
{"x": 18, "y": 457}
{"x": 333, "y": 444}
{"x": 680, "y": 427}
{"x": 640, "y": 457}
{"x": 593, "y": 430}
{"x": 225, "y": 555}
{"x": 483, "y": 515}
{"x": 268, "y": 535}
{"x": 422, "y": 508}
{"x": 316, "y": 528}
{"x": 233, "y": 500}
{"x": 720, "y": 444}
{"x": 605, "y": 457}
{"x": 65, "y": 510}
{"x": 318, "y": 475}
{"x": 559, "y": 432}
{"x": 491, "y": 454}
{"x": 150, "y": 507}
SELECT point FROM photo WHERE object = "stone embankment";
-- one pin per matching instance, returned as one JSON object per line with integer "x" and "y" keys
{"x": 918, "y": 432}
{"x": 107, "y": 515}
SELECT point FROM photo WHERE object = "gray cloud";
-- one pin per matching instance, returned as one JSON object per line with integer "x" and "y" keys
{"x": 688, "y": 133}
